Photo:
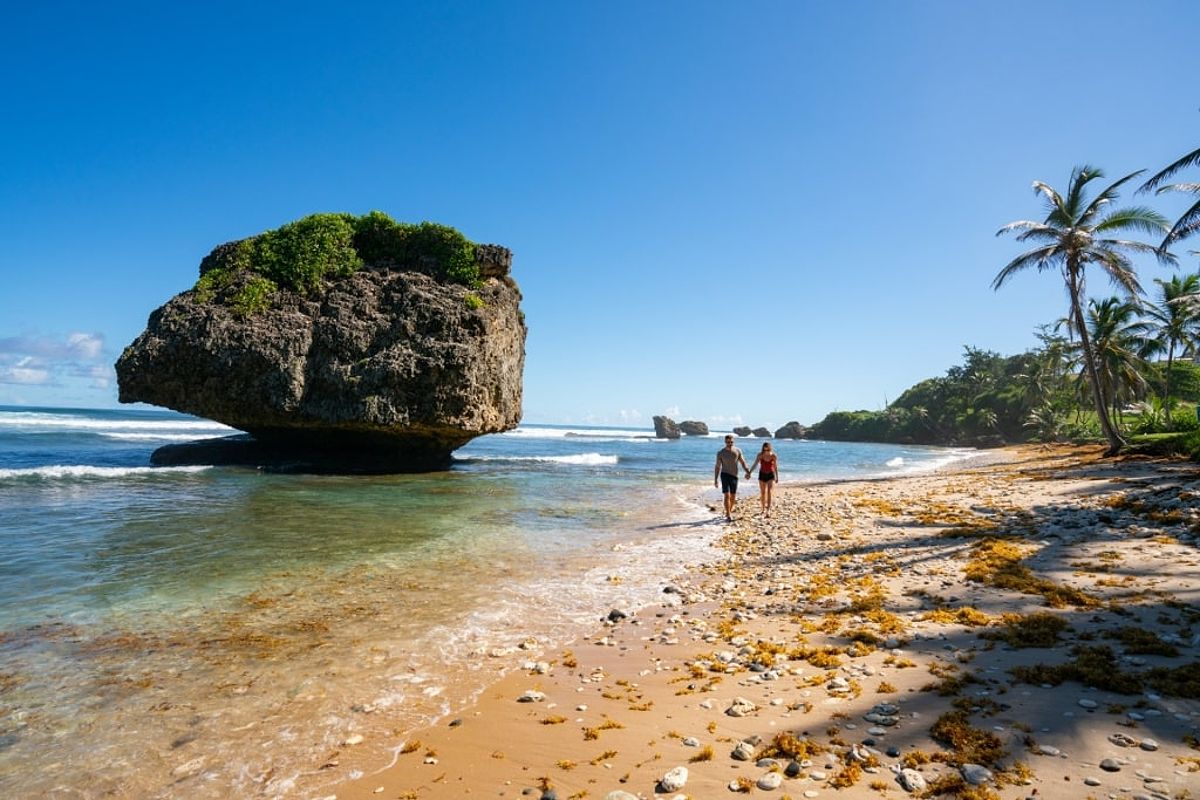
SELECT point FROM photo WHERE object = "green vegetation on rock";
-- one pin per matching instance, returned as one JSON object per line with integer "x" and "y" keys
{"x": 253, "y": 296}
{"x": 300, "y": 256}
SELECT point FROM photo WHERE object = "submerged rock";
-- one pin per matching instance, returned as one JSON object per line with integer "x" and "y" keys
{"x": 385, "y": 369}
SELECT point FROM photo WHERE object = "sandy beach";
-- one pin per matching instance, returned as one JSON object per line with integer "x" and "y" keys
{"x": 1026, "y": 626}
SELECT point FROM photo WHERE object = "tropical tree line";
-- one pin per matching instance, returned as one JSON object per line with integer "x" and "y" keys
{"x": 1110, "y": 367}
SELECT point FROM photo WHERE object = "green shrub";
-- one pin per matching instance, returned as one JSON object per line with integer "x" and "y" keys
{"x": 1191, "y": 445}
{"x": 212, "y": 284}
{"x": 253, "y": 296}
{"x": 450, "y": 254}
{"x": 379, "y": 239}
{"x": 428, "y": 247}
{"x": 301, "y": 255}
{"x": 474, "y": 301}
{"x": 1184, "y": 443}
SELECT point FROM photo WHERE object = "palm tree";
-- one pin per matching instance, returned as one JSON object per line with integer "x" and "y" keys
{"x": 1045, "y": 377}
{"x": 1174, "y": 319}
{"x": 1189, "y": 223}
{"x": 1118, "y": 339}
{"x": 1075, "y": 234}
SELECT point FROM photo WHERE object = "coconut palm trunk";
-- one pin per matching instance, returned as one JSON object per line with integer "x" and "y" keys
{"x": 1167, "y": 387}
{"x": 1115, "y": 442}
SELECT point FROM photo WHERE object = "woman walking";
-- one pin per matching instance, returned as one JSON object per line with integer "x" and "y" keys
{"x": 768, "y": 475}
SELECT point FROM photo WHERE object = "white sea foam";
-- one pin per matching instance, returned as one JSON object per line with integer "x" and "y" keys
{"x": 583, "y": 433}
{"x": 950, "y": 457}
{"x": 578, "y": 459}
{"x": 895, "y": 462}
{"x": 67, "y": 472}
{"x": 30, "y": 419}
{"x": 162, "y": 437}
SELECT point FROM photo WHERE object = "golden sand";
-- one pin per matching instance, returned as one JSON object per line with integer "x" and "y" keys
{"x": 1034, "y": 617}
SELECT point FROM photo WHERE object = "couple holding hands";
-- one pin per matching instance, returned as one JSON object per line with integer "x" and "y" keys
{"x": 726, "y": 469}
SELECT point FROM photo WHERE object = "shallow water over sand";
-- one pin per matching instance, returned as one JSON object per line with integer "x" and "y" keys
{"x": 222, "y": 632}
{"x": 229, "y": 642}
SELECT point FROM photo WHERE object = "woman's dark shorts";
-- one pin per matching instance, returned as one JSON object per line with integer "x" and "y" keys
{"x": 766, "y": 477}
{"x": 728, "y": 483}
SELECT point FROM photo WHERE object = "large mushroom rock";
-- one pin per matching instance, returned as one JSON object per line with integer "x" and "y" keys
{"x": 792, "y": 430}
{"x": 693, "y": 428}
{"x": 665, "y": 428}
{"x": 388, "y": 368}
{"x": 742, "y": 430}
{"x": 762, "y": 433}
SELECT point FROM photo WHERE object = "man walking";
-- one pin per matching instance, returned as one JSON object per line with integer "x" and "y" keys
{"x": 728, "y": 458}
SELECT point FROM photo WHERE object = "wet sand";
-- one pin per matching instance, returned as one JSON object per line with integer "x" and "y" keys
{"x": 1025, "y": 627}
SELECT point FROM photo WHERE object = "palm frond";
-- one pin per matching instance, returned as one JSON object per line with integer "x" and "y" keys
{"x": 1189, "y": 160}
{"x": 1049, "y": 193}
{"x": 1188, "y": 224}
{"x": 1105, "y": 197}
{"x": 1020, "y": 224}
{"x": 1191, "y": 188}
{"x": 1118, "y": 268}
{"x": 1164, "y": 256}
{"x": 1041, "y": 257}
{"x": 1081, "y": 176}
{"x": 1141, "y": 218}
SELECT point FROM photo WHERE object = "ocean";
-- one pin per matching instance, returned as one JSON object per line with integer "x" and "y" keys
{"x": 218, "y": 631}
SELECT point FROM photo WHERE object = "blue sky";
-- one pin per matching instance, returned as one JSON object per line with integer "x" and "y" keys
{"x": 733, "y": 212}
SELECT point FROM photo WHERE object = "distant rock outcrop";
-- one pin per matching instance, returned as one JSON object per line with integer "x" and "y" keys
{"x": 792, "y": 430}
{"x": 385, "y": 369}
{"x": 665, "y": 428}
{"x": 742, "y": 430}
{"x": 693, "y": 428}
{"x": 762, "y": 433}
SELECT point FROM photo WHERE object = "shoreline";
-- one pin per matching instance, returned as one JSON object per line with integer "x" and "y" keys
{"x": 850, "y": 602}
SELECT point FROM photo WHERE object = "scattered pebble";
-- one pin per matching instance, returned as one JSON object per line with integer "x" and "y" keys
{"x": 912, "y": 781}
{"x": 743, "y": 751}
{"x": 769, "y": 781}
{"x": 674, "y": 780}
{"x": 975, "y": 774}
{"x": 741, "y": 707}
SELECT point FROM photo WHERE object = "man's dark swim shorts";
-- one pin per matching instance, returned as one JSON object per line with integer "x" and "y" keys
{"x": 728, "y": 483}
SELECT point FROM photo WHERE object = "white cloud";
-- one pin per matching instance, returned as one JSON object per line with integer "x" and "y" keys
{"x": 102, "y": 377}
{"x": 87, "y": 345}
{"x": 629, "y": 416}
{"x": 47, "y": 360}
{"x": 24, "y": 375}
{"x": 672, "y": 411}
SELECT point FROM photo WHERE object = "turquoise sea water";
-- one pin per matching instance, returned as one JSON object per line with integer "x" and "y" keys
{"x": 215, "y": 632}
